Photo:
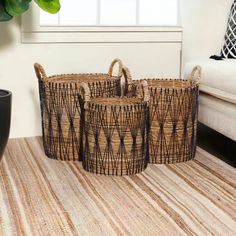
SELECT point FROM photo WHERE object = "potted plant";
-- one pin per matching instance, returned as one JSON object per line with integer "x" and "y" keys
{"x": 9, "y": 9}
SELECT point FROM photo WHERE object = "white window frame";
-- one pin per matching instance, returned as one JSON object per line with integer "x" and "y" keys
{"x": 32, "y": 32}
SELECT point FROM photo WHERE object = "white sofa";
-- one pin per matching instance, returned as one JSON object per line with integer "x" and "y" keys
{"x": 217, "y": 102}
{"x": 203, "y": 37}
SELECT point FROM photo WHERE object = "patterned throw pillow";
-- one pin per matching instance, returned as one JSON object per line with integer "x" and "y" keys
{"x": 229, "y": 48}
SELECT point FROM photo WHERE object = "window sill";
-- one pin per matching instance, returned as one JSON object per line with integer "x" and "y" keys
{"x": 102, "y": 35}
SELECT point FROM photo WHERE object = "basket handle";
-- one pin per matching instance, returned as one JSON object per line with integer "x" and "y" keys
{"x": 127, "y": 75}
{"x": 143, "y": 91}
{"x": 115, "y": 61}
{"x": 126, "y": 79}
{"x": 84, "y": 89}
{"x": 196, "y": 73}
{"x": 40, "y": 72}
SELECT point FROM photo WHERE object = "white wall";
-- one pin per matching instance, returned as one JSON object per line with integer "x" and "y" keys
{"x": 204, "y": 25}
{"x": 17, "y": 74}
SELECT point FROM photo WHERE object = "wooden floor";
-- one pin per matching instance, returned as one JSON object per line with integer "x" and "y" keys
{"x": 39, "y": 196}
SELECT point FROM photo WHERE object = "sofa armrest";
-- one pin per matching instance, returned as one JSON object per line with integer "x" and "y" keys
{"x": 228, "y": 97}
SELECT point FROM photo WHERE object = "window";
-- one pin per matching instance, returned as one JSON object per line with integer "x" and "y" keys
{"x": 104, "y": 21}
{"x": 113, "y": 13}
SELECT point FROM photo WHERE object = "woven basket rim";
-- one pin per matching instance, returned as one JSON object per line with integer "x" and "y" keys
{"x": 190, "y": 85}
{"x": 116, "y": 102}
{"x": 78, "y": 78}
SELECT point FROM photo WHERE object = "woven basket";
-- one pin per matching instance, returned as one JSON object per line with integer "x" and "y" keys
{"x": 173, "y": 117}
{"x": 61, "y": 108}
{"x": 115, "y": 134}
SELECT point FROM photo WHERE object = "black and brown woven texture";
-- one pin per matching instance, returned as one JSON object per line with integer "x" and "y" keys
{"x": 173, "y": 117}
{"x": 61, "y": 108}
{"x": 115, "y": 134}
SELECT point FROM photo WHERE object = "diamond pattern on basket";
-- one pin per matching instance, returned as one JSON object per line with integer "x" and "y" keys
{"x": 173, "y": 121}
{"x": 115, "y": 141}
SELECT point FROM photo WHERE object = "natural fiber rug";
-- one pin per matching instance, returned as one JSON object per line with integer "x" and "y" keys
{"x": 39, "y": 196}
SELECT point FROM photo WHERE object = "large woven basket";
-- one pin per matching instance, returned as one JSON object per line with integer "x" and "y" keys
{"x": 61, "y": 108}
{"x": 173, "y": 117}
{"x": 115, "y": 134}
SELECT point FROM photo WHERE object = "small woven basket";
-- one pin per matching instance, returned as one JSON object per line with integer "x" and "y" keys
{"x": 173, "y": 117}
{"x": 61, "y": 108}
{"x": 115, "y": 134}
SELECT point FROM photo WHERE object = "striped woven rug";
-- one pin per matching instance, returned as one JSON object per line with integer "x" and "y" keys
{"x": 39, "y": 196}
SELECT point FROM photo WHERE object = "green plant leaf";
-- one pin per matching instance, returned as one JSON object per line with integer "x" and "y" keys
{"x": 16, "y": 7}
{"x": 51, "y": 6}
{"x": 4, "y": 16}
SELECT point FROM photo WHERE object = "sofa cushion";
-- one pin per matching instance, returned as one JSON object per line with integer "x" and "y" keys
{"x": 219, "y": 75}
{"x": 229, "y": 48}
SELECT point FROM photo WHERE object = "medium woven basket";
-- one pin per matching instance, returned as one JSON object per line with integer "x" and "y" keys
{"x": 173, "y": 117}
{"x": 61, "y": 108}
{"x": 115, "y": 134}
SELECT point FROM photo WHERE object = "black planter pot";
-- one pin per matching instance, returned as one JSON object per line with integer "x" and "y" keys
{"x": 5, "y": 118}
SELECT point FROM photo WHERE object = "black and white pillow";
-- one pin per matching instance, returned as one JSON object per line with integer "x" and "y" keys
{"x": 229, "y": 47}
